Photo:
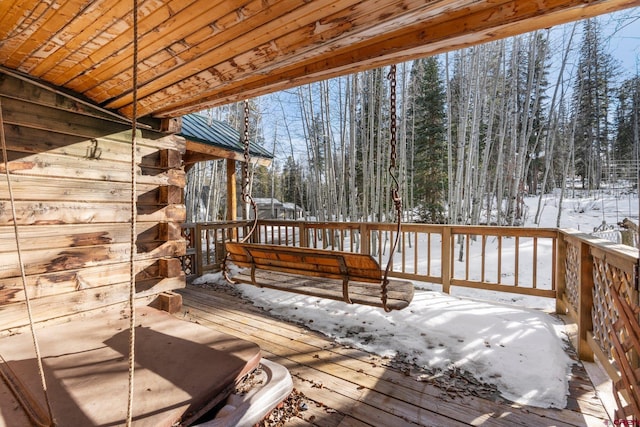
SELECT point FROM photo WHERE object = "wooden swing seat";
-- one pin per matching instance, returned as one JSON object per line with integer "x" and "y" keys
{"x": 344, "y": 276}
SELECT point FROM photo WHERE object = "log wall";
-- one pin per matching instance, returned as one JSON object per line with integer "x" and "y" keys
{"x": 70, "y": 171}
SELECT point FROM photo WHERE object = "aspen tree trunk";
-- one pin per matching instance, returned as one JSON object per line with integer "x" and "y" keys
{"x": 493, "y": 102}
{"x": 402, "y": 148}
{"x": 513, "y": 120}
{"x": 553, "y": 126}
{"x": 473, "y": 169}
{"x": 450, "y": 202}
{"x": 531, "y": 112}
{"x": 379, "y": 142}
{"x": 500, "y": 178}
{"x": 355, "y": 191}
{"x": 343, "y": 106}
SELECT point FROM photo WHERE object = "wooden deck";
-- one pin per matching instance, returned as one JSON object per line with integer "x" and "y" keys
{"x": 343, "y": 386}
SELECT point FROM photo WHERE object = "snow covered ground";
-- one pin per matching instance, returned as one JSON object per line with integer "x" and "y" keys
{"x": 507, "y": 340}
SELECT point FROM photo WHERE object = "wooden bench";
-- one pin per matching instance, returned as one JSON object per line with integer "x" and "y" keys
{"x": 344, "y": 276}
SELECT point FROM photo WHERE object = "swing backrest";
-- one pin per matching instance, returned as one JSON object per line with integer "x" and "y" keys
{"x": 306, "y": 261}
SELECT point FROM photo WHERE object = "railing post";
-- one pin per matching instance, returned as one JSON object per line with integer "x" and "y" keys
{"x": 255, "y": 237}
{"x": 561, "y": 273}
{"x": 585, "y": 303}
{"x": 365, "y": 239}
{"x": 446, "y": 259}
{"x": 197, "y": 242}
{"x": 304, "y": 238}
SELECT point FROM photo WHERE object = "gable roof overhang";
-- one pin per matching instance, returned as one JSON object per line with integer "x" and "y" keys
{"x": 201, "y": 53}
{"x": 210, "y": 139}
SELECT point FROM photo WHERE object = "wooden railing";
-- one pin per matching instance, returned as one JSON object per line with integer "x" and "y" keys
{"x": 593, "y": 281}
{"x": 598, "y": 289}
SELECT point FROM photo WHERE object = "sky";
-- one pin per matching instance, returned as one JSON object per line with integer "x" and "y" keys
{"x": 496, "y": 337}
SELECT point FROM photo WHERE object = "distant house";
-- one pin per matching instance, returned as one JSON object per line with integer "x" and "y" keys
{"x": 270, "y": 208}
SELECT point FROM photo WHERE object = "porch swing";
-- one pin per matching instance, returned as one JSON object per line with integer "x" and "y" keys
{"x": 354, "y": 278}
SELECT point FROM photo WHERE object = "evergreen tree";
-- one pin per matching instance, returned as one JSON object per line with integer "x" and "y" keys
{"x": 427, "y": 111}
{"x": 627, "y": 120}
{"x": 261, "y": 182}
{"x": 592, "y": 90}
{"x": 292, "y": 185}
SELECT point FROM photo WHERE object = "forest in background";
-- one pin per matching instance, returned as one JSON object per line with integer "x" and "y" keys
{"x": 477, "y": 130}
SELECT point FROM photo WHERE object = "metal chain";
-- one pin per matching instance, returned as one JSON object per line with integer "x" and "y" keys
{"x": 393, "y": 119}
{"x": 247, "y": 158}
{"x": 395, "y": 192}
{"x": 246, "y": 196}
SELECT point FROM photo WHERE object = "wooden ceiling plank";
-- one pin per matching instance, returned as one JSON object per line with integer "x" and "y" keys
{"x": 116, "y": 57}
{"x": 50, "y": 25}
{"x": 113, "y": 76}
{"x": 258, "y": 55}
{"x": 281, "y": 16}
{"x": 102, "y": 14}
{"x": 24, "y": 28}
{"x": 223, "y": 72}
{"x": 10, "y": 14}
{"x": 293, "y": 43}
{"x": 109, "y": 43}
{"x": 227, "y": 72}
{"x": 450, "y": 35}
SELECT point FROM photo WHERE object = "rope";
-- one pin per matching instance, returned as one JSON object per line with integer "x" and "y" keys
{"x": 395, "y": 196}
{"x": 23, "y": 274}
{"x": 134, "y": 218}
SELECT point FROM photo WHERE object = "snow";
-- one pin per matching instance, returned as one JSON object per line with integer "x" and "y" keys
{"x": 511, "y": 341}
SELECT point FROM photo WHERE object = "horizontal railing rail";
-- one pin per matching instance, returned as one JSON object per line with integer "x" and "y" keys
{"x": 440, "y": 254}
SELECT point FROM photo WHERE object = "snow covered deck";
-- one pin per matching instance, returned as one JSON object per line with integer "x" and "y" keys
{"x": 337, "y": 385}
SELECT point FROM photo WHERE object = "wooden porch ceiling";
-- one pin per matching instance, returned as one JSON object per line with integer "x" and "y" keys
{"x": 199, "y": 53}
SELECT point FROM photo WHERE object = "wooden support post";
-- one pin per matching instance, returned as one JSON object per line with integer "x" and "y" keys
{"x": 561, "y": 274}
{"x": 232, "y": 199}
{"x": 585, "y": 305}
{"x": 446, "y": 260}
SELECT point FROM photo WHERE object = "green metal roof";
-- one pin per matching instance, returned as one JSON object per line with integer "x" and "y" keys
{"x": 202, "y": 129}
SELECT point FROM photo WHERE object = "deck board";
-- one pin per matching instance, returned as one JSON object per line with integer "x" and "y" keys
{"x": 349, "y": 387}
